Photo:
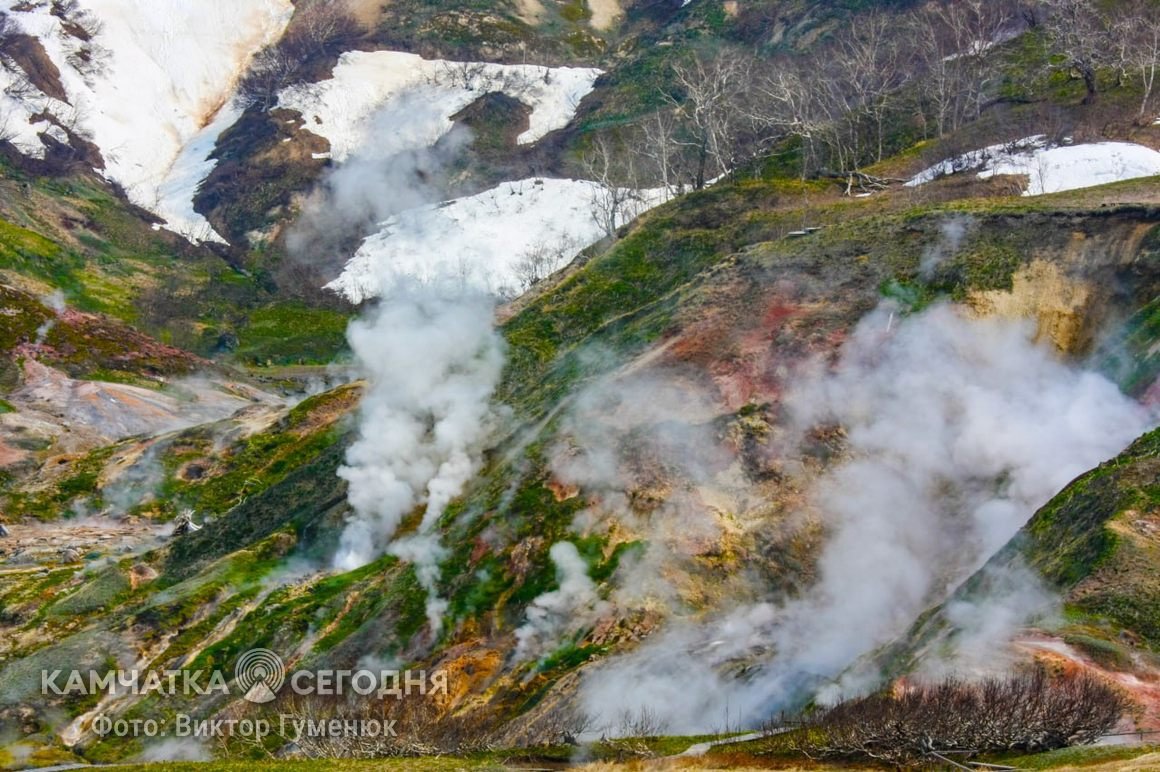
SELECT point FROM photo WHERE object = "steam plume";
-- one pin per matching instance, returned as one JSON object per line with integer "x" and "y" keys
{"x": 562, "y": 610}
{"x": 957, "y": 431}
{"x": 429, "y": 349}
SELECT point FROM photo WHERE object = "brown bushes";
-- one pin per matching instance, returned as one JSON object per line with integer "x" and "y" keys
{"x": 1028, "y": 712}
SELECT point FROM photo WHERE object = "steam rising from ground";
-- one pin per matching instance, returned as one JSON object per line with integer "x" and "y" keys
{"x": 562, "y": 610}
{"x": 386, "y": 177}
{"x": 430, "y": 351}
{"x": 957, "y": 430}
{"x": 433, "y": 359}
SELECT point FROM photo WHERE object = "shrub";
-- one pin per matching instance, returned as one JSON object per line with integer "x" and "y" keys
{"x": 1029, "y": 711}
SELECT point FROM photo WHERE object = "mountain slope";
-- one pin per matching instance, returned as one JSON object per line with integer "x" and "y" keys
{"x": 797, "y": 404}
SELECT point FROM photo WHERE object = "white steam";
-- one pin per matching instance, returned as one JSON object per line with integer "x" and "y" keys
{"x": 433, "y": 359}
{"x": 952, "y": 232}
{"x": 564, "y": 610}
{"x": 984, "y": 626}
{"x": 56, "y": 302}
{"x": 957, "y": 431}
{"x": 386, "y": 177}
{"x": 176, "y": 750}
{"x": 429, "y": 350}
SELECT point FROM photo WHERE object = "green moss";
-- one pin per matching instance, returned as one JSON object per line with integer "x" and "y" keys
{"x": 646, "y": 265}
{"x": 1105, "y": 653}
{"x": 291, "y": 332}
{"x": 98, "y": 594}
{"x": 260, "y": 461}
{"x": 575, "y": 11}
{"x": 54, "y": 501}
{"x": 980, "y": 266}
{"x": 569, "y": 657}
{"x": 1075, "y": 757}
{"x": 1132, "y": 356}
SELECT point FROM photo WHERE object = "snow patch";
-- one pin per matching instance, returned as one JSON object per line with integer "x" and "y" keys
{"x": 1051, "y": 169}
{"x": 341, "y": 109}
{"x": 151, "y": 89}
{"x": 483, "y": 239}
{"x": 979, "y": 47}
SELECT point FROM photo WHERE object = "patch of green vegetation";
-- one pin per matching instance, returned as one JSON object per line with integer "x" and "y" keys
{"x": 1103, "y": 652}
{"x": 26, "y": 597}
{"x": 100, "y": 252}
{"x": 528, "y": 513}
{"x": 284, "y": 476}
{"x": 56, "y": 500}
{"x": 1076, "y": 757}
{"x": 569, "y": 657}
{"x": 415, "y": 764}
{"x": 1132, "y": 356}
{"x": 1068, "y": 537}
{"x": 291, "y": 333}
{"x": 100, "y": 593}
{"x": 575, "y": 11}
{"x": 613, "y": 293}
{"x": 633, "y": 89}
{"x": 260, "y": 461}
{"x": 910, "y": 296}
{"x": 1086, "y": 534}
{"x": 400, "y": 595}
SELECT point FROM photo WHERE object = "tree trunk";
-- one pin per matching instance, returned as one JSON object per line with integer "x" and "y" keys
{"x": 1089, "y": 82}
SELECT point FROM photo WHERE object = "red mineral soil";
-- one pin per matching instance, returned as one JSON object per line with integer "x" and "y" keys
{"x": 750, "y": 335}
{"x": 1152, "y": 395}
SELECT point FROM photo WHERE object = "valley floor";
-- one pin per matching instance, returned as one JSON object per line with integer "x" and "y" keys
{"x": 1094, "y": 759}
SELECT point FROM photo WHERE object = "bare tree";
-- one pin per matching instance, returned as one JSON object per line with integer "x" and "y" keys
{"x": 6, "y": 130}
{"x": 321, "y": 24}
{"x": 614, "y": 172}
{"x": 710, "y": 103}
{"x": 413, "y": 725}
{"x": 1137, "y": 29}
{"x": 869, "y": 57}
{"x": 658, "y": 147}
{"x": 464, "y": 74}
{"x": 543, "y": 259}
{"x": 270, "y": 71}
{"x": 644, "y": 722}
{"x": 1028, "y": 712}
{"x": 837, "y": 101}
{"x": 788, "y": 101}
{"x": 953, "y": 44}
{"x": 564, "y": 726}
{"x": 1083, "y": 34}
{"x": 319, "y": 28}
{"x": 8, "y": 30}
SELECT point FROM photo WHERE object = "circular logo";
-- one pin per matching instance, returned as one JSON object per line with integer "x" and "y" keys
{"x": 260, "y": 673}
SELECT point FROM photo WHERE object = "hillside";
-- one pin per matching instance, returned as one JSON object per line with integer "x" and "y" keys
{"x": 641, "y": 369}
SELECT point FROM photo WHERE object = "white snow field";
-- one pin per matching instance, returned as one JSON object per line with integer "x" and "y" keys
{"x": 483, "y": 238}
{"x": 1051, "y": 169}
{"x": 152, "y": 89}
{"x": 342, "y": 109}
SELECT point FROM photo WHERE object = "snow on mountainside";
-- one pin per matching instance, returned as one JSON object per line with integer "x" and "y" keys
{"x": 150, "y": 86}
{"x": 490, "y": 239}
{"x": 1051, "y": 169}
{"x": 342, "y": 109}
